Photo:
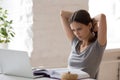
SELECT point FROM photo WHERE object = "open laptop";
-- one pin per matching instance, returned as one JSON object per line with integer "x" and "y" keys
{"x": 15, "y": 63}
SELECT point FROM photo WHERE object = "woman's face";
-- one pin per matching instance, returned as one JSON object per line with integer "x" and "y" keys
{"x": 81, "y": 31}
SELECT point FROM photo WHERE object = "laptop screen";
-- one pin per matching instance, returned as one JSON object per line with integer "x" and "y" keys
{"x": 15, "y": 63}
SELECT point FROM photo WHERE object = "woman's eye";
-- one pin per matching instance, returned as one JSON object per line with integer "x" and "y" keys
{"x": 73, "y": 30}
{"x": 79, "y": 28}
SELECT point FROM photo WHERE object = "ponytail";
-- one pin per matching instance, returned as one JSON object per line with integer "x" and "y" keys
{"x": 93, "y": 32}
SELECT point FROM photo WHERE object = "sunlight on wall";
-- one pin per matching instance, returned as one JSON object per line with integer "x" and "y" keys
{"x": 20, "y": 11}
{"x": 112, "y": 10}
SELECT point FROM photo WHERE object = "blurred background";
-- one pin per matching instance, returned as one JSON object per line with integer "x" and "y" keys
{"x": 39, "y": 32}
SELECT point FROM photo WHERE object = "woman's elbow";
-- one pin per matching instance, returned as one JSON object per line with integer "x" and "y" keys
{"x": 103, "y": 16}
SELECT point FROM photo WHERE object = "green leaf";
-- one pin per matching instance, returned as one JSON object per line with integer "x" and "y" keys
{"x": 12, "y": 34}
{"x": 7, "y": 41}
{"x": 4, "y": 16}
{"x": 6, "y": 30}
{"x": 6, "y": 11}
{"x": 11, "y": 21}
{"x": 5, "y": 24}
{"x": 1, "y": 41}
{"x": 0, "y": 8}
{"x": 1, "y": 18}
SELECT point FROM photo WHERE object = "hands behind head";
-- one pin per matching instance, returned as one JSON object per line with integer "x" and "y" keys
{"x": 95, "y": 25}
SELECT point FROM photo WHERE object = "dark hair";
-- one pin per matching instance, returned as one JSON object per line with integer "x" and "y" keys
{"x": 82, "y": 16}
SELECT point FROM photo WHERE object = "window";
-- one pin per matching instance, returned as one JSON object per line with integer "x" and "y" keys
{"x": 112, "y": 10}
{"x": 20, "y": 11}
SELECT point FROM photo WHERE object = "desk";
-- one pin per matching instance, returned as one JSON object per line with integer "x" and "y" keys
{"x": 6, "y": 77}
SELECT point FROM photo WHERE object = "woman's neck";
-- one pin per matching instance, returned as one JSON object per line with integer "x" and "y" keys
{"x": 88, "y": 41}
{"x": 91, "y": 37}
{"x": 84, "y": 43}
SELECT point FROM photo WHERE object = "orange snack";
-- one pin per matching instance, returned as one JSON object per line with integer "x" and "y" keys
{"x": 69, "y": 76}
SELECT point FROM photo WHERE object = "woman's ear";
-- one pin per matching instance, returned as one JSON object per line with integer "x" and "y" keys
{"x": 90, "y": 25}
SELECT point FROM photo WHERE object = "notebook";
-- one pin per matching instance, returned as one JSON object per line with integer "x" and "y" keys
{"x": 15, "y": 63}
{"x": 58, "y": 72}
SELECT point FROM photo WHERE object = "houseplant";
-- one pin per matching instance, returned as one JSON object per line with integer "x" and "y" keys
{"x": 6, "y": 30}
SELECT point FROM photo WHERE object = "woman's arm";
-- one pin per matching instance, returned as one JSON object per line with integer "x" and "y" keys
{"x": 101, "y": 28}
{"x": 65, "y": 15}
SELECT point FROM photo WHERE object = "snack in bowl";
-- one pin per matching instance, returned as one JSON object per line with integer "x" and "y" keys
{"x": 69, "y": 76}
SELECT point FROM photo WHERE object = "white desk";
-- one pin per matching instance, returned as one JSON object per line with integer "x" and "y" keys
{"x": 6, "y": 77}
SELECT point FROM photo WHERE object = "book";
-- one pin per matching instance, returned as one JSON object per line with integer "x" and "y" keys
{"x": 57, "y": 73}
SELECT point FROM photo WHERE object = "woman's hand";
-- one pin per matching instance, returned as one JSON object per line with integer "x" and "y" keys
{"x": 64, "y": 16}
{"x": 101, "y": 27}
{"x": 95, "y": 25}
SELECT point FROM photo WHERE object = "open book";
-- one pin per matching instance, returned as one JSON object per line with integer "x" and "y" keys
{"x": 57, "y": 73}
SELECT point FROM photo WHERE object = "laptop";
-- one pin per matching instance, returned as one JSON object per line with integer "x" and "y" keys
{"x": 15, "y": 63}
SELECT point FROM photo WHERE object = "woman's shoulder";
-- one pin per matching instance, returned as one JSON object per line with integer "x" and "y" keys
{"x": 97, "y": 44}
{"x": 75, "y": 41}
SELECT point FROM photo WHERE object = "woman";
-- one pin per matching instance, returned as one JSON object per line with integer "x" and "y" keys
{"x": 88, "y": 37}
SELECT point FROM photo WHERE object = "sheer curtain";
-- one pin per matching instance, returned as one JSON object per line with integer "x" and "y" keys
{"x": 112, "y": 10}
{"x": 20, "y": 11}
